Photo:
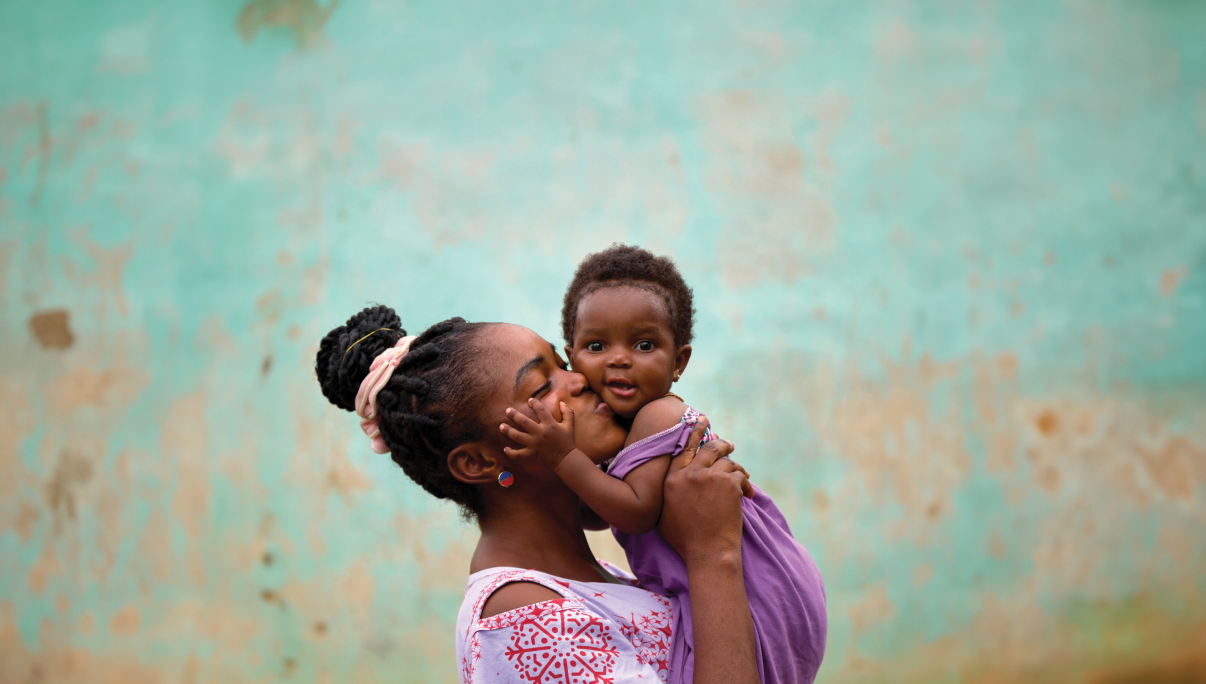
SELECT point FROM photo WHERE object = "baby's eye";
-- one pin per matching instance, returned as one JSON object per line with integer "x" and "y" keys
{"x": 595, "y": 346}
{"x": 645, "y": 346}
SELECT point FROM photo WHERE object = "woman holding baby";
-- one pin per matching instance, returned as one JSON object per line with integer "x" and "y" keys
{"x": 490, "y": 416}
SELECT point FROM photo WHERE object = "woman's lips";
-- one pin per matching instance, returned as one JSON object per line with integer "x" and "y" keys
{"x": 603, "y": 409}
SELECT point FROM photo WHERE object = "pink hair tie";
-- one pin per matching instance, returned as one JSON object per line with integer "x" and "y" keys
{"x": 366, "y": 398}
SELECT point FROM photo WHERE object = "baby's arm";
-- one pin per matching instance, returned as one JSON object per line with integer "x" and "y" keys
{"x": 632, "y": 505}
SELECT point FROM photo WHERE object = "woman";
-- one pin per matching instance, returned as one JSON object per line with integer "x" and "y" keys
{"x": 539, "y": 607}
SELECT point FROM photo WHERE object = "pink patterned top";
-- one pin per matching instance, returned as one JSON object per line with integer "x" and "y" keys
{"x": 598, "y": 633}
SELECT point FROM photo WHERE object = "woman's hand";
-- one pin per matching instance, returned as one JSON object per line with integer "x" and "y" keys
{"x": 701, "y": 519}
{"x": 545, "y": 438}
{"x": 701, "y": 504}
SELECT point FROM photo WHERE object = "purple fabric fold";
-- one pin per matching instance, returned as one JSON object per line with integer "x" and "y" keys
{"x": 786, "y": 594}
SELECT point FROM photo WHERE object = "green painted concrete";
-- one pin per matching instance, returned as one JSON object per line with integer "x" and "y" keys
{"x": 950, "y": 260}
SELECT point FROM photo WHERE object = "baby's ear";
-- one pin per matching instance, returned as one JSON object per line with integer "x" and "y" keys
{"x": 681, "y": 358}
{"x": 569, "y": 355}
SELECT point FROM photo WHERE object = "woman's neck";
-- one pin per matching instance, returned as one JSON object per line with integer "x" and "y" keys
{"x": 542, "y": 533}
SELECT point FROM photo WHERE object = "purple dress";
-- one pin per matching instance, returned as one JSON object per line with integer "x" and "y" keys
{"x": 787, "y": 598}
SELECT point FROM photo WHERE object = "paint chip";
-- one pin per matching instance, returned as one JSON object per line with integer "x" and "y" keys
{"x": 305, "y": 19}
{"x": 51, "y": 329}
{"x": 125, "y": 621}
{"x": 1171, "y": 279}
{"x": 1047, "y": 423}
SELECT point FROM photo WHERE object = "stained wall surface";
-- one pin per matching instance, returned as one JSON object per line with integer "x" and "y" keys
{"x": 950, "y": 260}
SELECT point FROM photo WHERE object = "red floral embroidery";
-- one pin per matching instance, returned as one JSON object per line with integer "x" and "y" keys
{"x": 569, "y": 646}
{"x": 499, "y": 580}
{"x": 514, "y": 617}
{"x": 650, "y": 635}
{"x": 467, "y": 664}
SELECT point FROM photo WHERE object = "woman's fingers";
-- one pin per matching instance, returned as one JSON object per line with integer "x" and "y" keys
{"x": 737, "y": 466}
{"x": 687, "y": 456}
{"x": 747, "y": 487}
{"x": 711, "y": 452}
{"x": 723, "y": 447}
{"x": 731, "y": 468}
{"x": 517, "y": 435}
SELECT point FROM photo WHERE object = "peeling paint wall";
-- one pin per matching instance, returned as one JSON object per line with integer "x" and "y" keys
{"x": 950, "y": 260}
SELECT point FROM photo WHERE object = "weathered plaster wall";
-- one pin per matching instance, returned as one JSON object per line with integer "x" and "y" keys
{"x": 951, "y": 261}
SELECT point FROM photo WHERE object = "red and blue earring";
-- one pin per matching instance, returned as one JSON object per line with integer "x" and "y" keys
{"x": 506, "y": 479}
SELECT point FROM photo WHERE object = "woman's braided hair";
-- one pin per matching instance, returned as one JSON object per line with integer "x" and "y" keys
{"x": 432, "y": 403}
{"x": 633, "y": 267}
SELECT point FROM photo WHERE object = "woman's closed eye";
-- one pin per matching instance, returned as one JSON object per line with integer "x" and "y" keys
{"x": 542, "y": 389}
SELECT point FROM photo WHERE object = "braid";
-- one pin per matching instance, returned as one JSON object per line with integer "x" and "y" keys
{"x": 430, "y": 405}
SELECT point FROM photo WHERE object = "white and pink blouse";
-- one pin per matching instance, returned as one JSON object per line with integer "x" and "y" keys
{"x": 596, "y": 633}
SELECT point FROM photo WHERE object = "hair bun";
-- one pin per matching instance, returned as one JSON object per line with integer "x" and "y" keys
{"x": 347, "y": 352}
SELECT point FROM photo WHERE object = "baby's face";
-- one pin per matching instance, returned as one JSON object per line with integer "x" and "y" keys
{"x": 624, "y": 347}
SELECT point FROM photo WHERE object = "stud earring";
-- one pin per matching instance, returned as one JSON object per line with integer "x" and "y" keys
{"x": 506, "y": 479}
{"x": 676, "y": 376}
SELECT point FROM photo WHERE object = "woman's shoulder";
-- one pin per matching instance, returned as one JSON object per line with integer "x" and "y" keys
{"x": 501, "y": 589}
{"x": 503, "y": 647}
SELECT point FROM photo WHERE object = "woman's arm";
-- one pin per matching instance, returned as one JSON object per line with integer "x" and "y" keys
{"x": 701, "y": 519}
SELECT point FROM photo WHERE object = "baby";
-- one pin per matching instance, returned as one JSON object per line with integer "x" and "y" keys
{"x": 628, "y": 317}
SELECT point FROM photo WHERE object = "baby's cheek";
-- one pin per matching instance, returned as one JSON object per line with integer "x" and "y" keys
{"x": 593, "y": 373}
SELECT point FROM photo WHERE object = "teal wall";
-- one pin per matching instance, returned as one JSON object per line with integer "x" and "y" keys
{"x": 950, "y": 261}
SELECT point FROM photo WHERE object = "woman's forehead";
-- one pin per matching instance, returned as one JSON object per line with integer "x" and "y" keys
{"x": 518, "y": 344}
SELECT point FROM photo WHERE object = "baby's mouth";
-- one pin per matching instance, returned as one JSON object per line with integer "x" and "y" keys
{"x": 621, "y": 389}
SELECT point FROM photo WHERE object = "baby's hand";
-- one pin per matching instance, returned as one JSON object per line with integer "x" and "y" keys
{"x": 544, "y": 438}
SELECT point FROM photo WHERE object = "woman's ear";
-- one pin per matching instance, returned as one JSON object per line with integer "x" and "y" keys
{"x": 474, "y": 463}
{"x": 681, "y": 357}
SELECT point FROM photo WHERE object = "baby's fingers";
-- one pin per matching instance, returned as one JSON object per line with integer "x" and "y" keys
{"x": 543, "y": 414}
{"x": 518, "y": 453}
{"x": 523, "y": 421}
{"x": 567, "y": 417}
{"x": 517, "y": 435}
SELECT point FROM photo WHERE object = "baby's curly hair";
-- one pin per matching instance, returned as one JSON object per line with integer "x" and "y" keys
{"x": 634, "y": 267}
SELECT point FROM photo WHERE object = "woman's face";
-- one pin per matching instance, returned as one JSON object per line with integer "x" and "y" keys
{"x": 531, "y": 368}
